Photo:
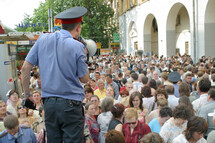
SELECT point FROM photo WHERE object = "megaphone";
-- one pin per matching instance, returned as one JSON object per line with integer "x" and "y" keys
{"x": 90, "y": 45}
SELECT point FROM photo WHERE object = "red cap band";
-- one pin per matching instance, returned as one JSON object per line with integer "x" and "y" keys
{"x": 71, "y": 21}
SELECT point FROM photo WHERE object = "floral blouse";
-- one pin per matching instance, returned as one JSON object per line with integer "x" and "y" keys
{"x": 93, "y": 128}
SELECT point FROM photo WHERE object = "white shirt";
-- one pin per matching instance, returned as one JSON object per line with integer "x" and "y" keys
{"x": 137, "y": 85}
{"x": 198, "y": 103}
{"x": 181, "y": 139}
{"x": 173, "y": 101}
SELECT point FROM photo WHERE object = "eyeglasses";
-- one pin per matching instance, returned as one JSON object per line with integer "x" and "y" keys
{"x": 131, "y": 123}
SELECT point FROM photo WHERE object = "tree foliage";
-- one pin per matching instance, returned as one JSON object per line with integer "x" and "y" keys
{"x": 98, "y": 22}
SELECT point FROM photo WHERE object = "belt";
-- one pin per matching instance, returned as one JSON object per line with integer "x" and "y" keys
{"x": 71, "y": 102}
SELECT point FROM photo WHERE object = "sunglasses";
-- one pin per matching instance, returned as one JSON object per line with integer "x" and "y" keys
{"x": 20, "y": 107}
{"x": 131, "y": 123}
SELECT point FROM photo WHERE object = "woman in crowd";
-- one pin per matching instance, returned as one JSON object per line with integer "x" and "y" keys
{"x": 101, "y": 91}
{"x": 152, "y": 138}
{"x": 36, "y": 95}
{"x": 13, "y": 102}
{"x": 3, "y": 114}
{"x": 105, "y": 117}
{"x": 117, "y": 111}
{"x": 153, "y": 86}
{"x": 160, "y": 93}
{"x": 155, "y": 113}
{"x": 148, "y": 99}
{"x": 23, "y": 116}
{"x": 91, "y": 121}
{"x": 184, "y": 90}
{"x": 175, "y": 125}
{"x": 137, "y": 102}
{"x": 164, "y": 114}
{"x": 110, "y": 93}
{"x": 196, "y": 128}
{"x": 88, "y": 93}
{"x": 95, "y": 100}
{"x": 122, "y": 94}
{"x": 93, "y": 84}
{"x": 133, "y": 129}
{"x": 186, "y": 101}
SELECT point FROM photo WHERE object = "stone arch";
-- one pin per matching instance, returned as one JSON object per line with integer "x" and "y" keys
{"x": 210, "y": 29}
{"x": 178, "y": 30}
{"x": 150, "y": 40}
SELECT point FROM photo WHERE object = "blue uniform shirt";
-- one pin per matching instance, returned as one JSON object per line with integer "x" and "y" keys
{"x": 61, "y": 60}
{"x": 25, "y": 135}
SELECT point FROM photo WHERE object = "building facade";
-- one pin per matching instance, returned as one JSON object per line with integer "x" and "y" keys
{"x": 165, "y": 27}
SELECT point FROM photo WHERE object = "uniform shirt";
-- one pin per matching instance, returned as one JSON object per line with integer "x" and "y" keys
{"x": 61, "y": 60}
{"x": 25, "y": 135}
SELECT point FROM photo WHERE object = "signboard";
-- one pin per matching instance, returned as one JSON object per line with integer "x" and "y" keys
{"x": 11, "y": 42}
{"x": 105, "y": 51}
{"x": 116, "y": 38}
{"x": 114, "y": 45}
{"x": 23, "y": 43}
{"x": 7, "y": 62}
{"x": 99, "y": 45}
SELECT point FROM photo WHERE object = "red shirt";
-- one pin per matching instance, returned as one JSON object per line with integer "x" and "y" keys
{"x": 139, "y": 131}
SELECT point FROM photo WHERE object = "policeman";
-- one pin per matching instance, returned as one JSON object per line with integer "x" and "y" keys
{"x": 15, "y": 133}
{"x": 61, "y": 59}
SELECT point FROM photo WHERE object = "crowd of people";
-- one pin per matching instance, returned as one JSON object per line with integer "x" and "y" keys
{"x": 130, "y": 99}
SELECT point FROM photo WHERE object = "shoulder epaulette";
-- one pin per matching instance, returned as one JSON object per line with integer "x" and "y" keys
{"x": 80, "y": 41}
{"x": 3, "y": 134}
{"x": 24, "y": 127}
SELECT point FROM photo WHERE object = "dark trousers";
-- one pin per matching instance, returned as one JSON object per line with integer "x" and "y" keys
{"x": 64, "y": 121}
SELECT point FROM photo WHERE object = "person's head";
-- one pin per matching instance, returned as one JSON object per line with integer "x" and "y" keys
{"x": 196, "y": 128}
{"x": 165, "y": 113}
{"x": 211, "y": 94}
{"x": 134, "y": 76}
{"x": 90, "y": 108}
{"x": 109, "y": 78}
{"x": 88, "y": 92}
{"x": 22, "y": 110}
{"x": 129, "y": 86}
{"x": 188, "y": 78}
{"x": 110, "y": 91}
{"x": 11, "y": 124}
{"x": 117, "y": 110}
{"x": 131, "y": 117}
{"x": 160, "y": 93}
{"x": 3, "y": 107}
{"x": 184, "y": 89}
{"x": 136, "y": 100}
{"x": 155, "y": 75}
{"x": 145, "y": 80}
{"x": 170, "y": 89}
{"x": 114, "y": 136}
{"x": 146, "y": 91}
{"x": 36, "y": 95}
{"x": 95, "y": 100}
{"x": 204, "y": 85}
{"x": 164, "y": 76}
{"x": 97, "y": 75}
{"x": 153, "y": 84}
{"x": 181, "y": 114}
{"x": 124, "y": 93}
{"x": 12, "y": 95}
{"x": 162, "y": 102}
{"x": 152, "y": 138}
{"x": 107, "y": 103}
{"x": 101, "y": 84}
{"x": 92, "y": 83}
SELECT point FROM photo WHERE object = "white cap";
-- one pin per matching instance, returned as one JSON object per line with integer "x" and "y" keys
{"x": 212, "y": 114}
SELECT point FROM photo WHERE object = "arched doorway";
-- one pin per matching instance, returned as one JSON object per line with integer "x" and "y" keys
{"x": 210, "y": 29}
{"x": 178, "y": 31}
{"x": 150, "y": 35}
{"x": 132, "y": 38}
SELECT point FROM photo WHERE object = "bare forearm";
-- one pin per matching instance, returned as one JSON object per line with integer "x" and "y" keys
{"x": 26, "y": 69}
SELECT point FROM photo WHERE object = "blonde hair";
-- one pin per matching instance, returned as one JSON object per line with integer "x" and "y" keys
{"x": 130, "y": 113}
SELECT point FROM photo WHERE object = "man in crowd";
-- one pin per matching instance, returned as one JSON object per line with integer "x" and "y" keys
{"x": 62, "y": 63}
{"x": 109, "y": 81}
{"x": 172, "y": 100}
{"x": 136, "y": 84}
